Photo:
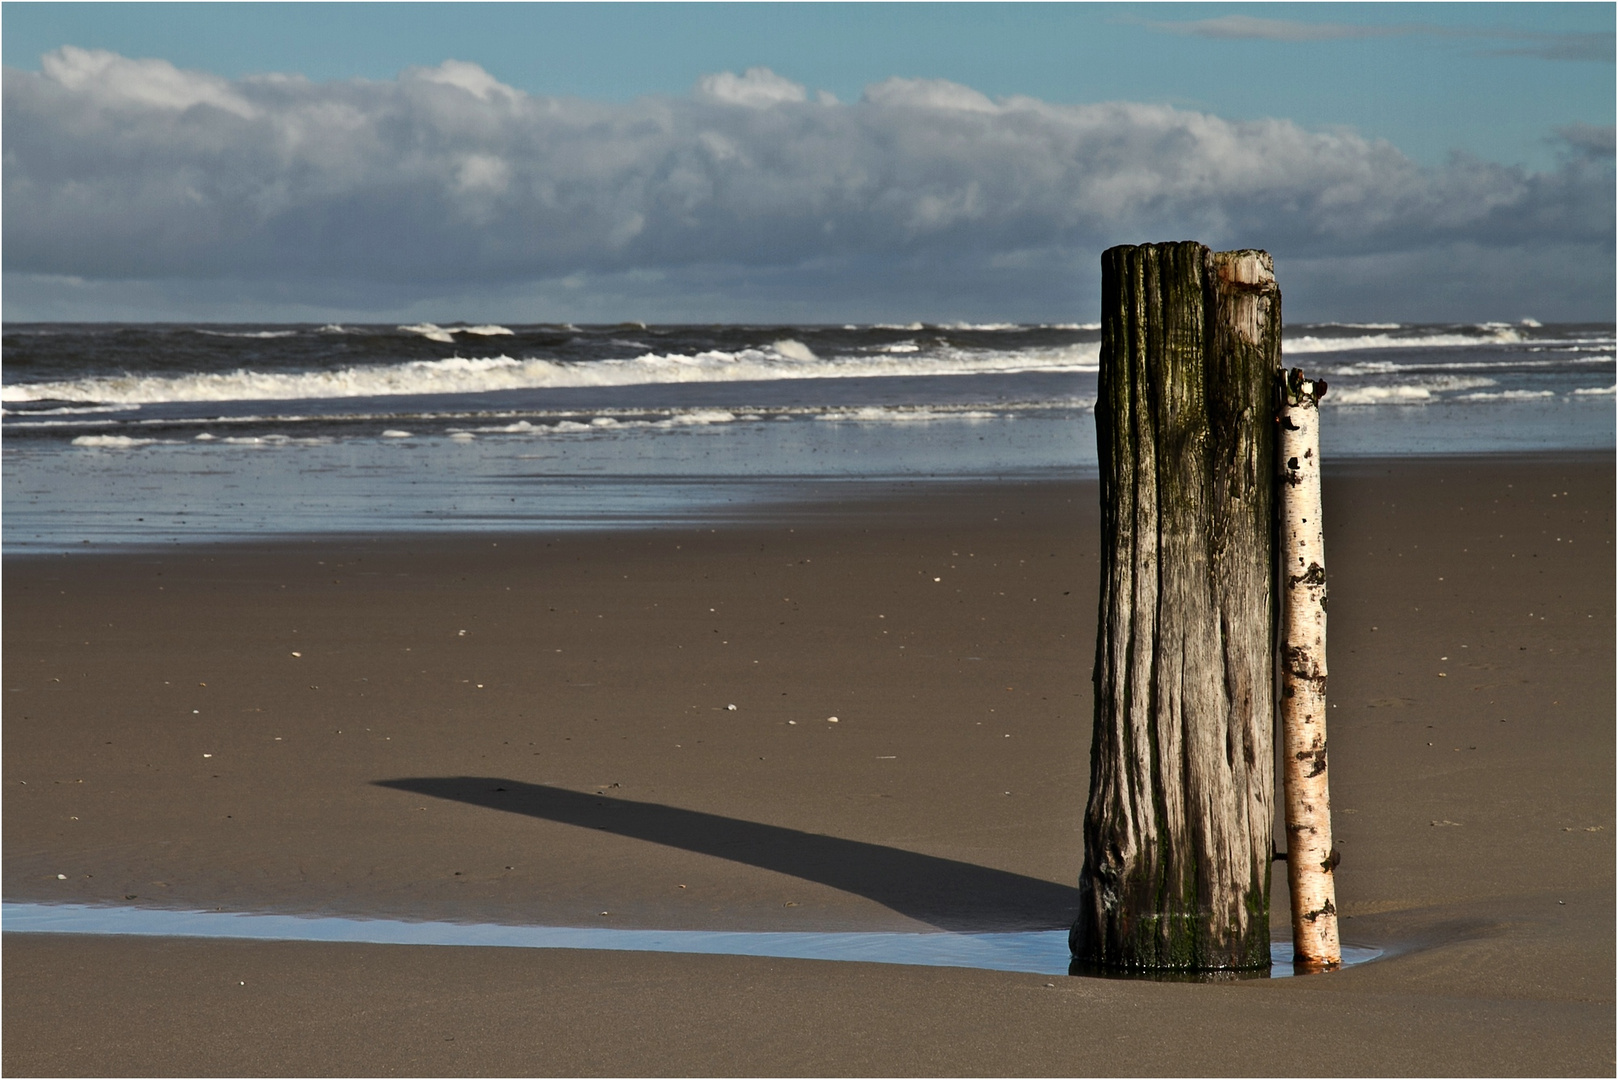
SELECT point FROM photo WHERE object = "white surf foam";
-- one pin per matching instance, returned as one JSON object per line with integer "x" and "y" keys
{"x": 1377, "y": 395}
{"x": 518, "y": 427}
{"x": 540, "y": 425}
{"x": 794, "y": 350}
{"x": 264, "y": 440}
{"x": 30, "y": 425}
{"x": 1309, "y": 343}
{"x": 1363, "y": 325}
{"x": 702, "y": 417}
{"x": 1508, "y": 395}
{"x": 880, "y": 414}
{"x": 69, "y": 410}
{"x": 1513, "y": 360}
{"x": 784, "y": 359}
{"x": 112, "y": 442}
{"x": 1418, "y": 390}
{"x": 431, "y": 332}
{"x": 683, "y": 418}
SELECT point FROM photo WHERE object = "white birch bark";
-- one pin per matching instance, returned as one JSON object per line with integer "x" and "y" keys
{"x": 1310, "y": 858}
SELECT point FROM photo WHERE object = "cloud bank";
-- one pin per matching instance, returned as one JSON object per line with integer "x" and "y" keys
{"x": 443, "y": 183}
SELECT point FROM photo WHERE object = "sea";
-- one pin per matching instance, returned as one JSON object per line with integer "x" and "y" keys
{"x": 135, "y": 435}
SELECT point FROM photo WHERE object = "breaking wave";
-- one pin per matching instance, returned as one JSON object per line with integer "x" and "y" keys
{"x": 783, "y": 359}
{"x": 1310, "y": 343}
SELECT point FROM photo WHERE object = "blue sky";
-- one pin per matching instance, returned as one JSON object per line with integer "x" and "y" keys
{"x": 1518, "y": 94}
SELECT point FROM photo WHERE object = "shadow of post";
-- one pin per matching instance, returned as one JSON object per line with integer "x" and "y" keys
{"x": 945, "y": 893}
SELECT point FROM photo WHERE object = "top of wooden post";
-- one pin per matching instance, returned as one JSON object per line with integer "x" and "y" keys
{"x": 1249, "y": 275}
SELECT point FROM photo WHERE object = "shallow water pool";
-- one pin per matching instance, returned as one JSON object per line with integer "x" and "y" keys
{"x": 1042, "y": 952}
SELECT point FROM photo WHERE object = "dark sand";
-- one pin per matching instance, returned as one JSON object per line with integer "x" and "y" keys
{"x": 1472, "y": 644}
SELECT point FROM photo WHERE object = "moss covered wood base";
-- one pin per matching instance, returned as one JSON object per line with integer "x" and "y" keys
{"x": 1178, "y": 825}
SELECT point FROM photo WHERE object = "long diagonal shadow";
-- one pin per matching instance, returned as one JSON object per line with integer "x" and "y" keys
{"x": 945, "y": 893}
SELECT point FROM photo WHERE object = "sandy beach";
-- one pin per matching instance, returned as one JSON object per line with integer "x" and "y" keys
{"x": 538, "y": 729}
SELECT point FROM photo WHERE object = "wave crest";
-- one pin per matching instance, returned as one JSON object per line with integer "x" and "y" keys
{"x": 784, "y": 359}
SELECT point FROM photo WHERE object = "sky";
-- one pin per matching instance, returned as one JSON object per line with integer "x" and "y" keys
{"x": 797, "y": 162}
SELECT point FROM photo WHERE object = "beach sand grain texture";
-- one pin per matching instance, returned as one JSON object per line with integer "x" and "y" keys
{"x": 361, "y": 776}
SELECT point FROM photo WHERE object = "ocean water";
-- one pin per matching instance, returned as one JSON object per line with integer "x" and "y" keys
{"x": 164, "y": 434}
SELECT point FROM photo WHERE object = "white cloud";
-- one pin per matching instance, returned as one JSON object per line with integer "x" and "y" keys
{"x": 120, "y": 169}
{"x": 483, "y": 172}
{"x": 469, "y": 77}
{"x": 928, "y": 94}
{"x": 757, "y": 88}
{"x": 111, "y": 80}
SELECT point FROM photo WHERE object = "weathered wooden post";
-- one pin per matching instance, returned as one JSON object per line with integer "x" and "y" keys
{"x": 1178, "y": 829}
{"x": 1311, "y": 859}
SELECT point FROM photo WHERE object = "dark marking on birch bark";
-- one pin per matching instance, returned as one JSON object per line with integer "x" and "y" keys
{"x": 1315, "y": 575}
{"x": 1300, "y": 664}
{"x": 1178, "y": 827}
{"x": 1329, "y": 909}
{"x": 1316, "y": 758}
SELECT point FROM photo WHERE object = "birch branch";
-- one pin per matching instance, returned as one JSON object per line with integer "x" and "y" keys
{"x": 1311, "y": 860}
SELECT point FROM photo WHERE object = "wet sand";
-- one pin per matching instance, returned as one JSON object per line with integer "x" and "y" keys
{"x": 536, "y": 730}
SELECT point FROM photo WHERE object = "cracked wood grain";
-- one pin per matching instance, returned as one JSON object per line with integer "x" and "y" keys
{"x": 1178, "y": 825}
